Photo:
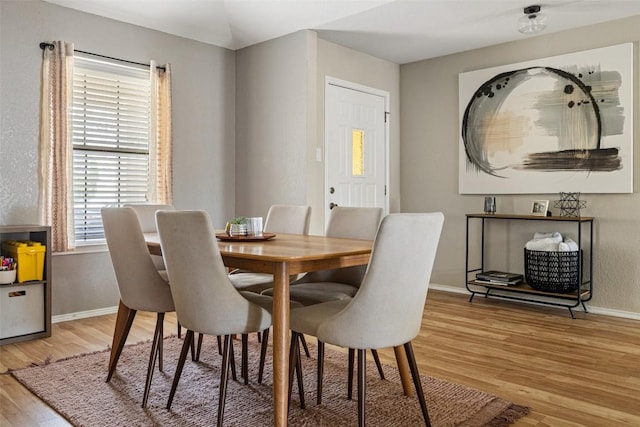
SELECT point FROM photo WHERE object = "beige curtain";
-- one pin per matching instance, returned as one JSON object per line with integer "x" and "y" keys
{"x": 56, "y": 157}
{"x": 161, "y": 149}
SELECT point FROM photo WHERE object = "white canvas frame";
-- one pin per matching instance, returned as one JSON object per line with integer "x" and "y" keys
{"x": 614, "y": 60}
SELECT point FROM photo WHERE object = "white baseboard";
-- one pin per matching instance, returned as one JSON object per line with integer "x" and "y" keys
{"x": 444, "y": 288}
{"x": 592, "y": 309}
{"x": 84, "y": 314}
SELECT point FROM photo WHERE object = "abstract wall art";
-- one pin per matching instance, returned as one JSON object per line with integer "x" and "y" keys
{"x": 561, "y": 123}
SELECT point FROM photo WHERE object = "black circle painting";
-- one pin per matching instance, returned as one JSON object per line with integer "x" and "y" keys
{"x": 536, "y": 118}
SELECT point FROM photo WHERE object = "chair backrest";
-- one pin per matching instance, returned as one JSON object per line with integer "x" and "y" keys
{"x": 387, "y": 309}
{"x": 141, "y": 286}
{"x": 205, "y": 299}
{"x": 348, "y": 223}
{"x": 147, "y": 214}
{"x": 289, "y": 219}
{"x": 354, "y": 223}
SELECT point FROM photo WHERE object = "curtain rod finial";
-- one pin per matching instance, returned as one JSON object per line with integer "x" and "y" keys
{"x": 44, "y": 45}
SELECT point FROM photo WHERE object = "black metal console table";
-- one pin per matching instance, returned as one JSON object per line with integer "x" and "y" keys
{"x": 522, "y": 291}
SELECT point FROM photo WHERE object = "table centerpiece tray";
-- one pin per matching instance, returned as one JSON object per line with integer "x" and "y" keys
{"x": 247, "y": 238}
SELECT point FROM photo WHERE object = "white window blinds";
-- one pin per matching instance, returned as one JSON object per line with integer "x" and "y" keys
{"x": 111, "y": 126}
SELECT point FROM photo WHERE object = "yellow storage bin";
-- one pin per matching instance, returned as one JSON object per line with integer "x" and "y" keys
{"x": 29, "y": 256}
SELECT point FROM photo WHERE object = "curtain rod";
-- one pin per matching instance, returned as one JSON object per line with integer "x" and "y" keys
{"x": 45, "y": 45}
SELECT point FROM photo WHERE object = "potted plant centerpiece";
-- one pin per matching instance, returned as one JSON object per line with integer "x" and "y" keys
{"x": 238, "y": 226}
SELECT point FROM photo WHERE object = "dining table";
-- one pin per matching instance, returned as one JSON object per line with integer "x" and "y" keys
{"x": 282, "y": 255}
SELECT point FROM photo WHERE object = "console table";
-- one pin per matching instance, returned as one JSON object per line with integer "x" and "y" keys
{"x": 522, "y": 291}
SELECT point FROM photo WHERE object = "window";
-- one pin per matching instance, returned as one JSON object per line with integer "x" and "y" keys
{"x": 357, "y": 152}
{"x": 111, "y": 125}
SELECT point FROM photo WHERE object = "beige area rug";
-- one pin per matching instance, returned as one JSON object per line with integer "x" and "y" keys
{"x": 76, "y": 388}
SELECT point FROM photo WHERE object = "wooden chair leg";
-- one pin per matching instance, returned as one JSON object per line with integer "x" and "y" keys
{"x": 350, "y": 379}
{"x": 304, "y": 345}
{"x": 157, "y": 342}
{"x": 179, "y": 330}
{"x": 233, "y": 362}
{"x": 378, "y": 364}
{"x": 245, "y": 359}
{"x": 350, "y": 375}
{"x": 224, "y": 376}
{"x": 188, "y": 339}
{"x": 408, "y": 348}
{"x": 219, "y": 345}
{"x": 199, "y": 347}
{"x": 293, "y": 363}
{"x": 299, "y": 374}
{"x": 320, "y": 372}
{"x": 160, "y": 343}
{"x": 193, "y": 350}
{"x": 362, "y": 386}
{"x": 123, "y": 339}
{"x": 263, "y": 353}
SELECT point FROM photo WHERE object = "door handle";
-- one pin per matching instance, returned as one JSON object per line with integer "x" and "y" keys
{"x": 332, "y": 205}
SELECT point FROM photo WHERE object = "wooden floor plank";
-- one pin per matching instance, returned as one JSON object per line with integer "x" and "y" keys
{"x": 572, "y": 372}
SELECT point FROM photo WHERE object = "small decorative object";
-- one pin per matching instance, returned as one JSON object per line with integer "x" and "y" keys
{"x": 7, "y": 270}
{"x": 490, "y": 205}
{"x": 552, "y": 271}
{"x": 570, "y": 204}
{"x": 238, "y": 226}
{"x": 255, "y": 226}
{"x": 539, "y": 207}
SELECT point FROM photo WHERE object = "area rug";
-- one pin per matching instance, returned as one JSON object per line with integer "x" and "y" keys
{"x": 76, "y": 388}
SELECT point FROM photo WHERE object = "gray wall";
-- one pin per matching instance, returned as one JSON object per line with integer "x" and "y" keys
{"x": 429, "y": 158}
{"x": 280, "y": 112}
{"x": 271, "y": 123}
{"x": 203, "y": 126}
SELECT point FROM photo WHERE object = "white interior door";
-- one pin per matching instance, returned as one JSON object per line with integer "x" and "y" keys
{"x": 355, "y": 147}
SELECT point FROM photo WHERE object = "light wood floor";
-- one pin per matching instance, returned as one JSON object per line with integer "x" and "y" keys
{"x": 582, "y": 372}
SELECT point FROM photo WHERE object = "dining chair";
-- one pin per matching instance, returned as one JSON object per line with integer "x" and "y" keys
{"x": 206, "y": 301}
{"x": 387, "y": 310}
{"x": 140, "y": 284}
{"x": 341, "y": 283}
{"x": 288, "y": 219}
{"x": 266, "y": 302}
{"x": 146, "y": 213}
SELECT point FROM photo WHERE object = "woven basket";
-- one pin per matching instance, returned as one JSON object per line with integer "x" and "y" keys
{"x": 552, "y": 271}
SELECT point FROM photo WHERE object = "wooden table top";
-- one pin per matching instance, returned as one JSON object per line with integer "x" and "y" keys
{"x": 284, "y": 247}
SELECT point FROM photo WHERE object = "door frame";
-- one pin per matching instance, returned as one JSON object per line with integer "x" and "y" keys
{"x": 332, "y": 81}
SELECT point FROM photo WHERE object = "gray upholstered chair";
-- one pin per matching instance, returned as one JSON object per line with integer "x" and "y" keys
{"x": 141, "y": 286}
{"x": 147, "y": 217}
{"x": 266, "y": 302}
{"x": 288, "y": 219}
{"x": 341, "y": 283}
{"x": 205, "y": 300}
{"x": 147, "y": 214}
{"x": 388, "y": 307}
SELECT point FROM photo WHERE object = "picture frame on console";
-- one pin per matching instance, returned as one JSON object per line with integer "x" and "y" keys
{"x": 539, "y": 207}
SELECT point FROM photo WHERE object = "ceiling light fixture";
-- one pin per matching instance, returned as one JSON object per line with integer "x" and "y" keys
{"x": 533, "y": 21}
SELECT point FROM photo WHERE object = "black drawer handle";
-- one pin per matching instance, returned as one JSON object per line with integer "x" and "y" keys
{"x": 17, "y": 294}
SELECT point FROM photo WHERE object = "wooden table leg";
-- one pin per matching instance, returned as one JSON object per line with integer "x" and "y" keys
{"x": 280, "y": 343}
{"x": 121, "y": 322}
{"x": 403, "y": 369}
